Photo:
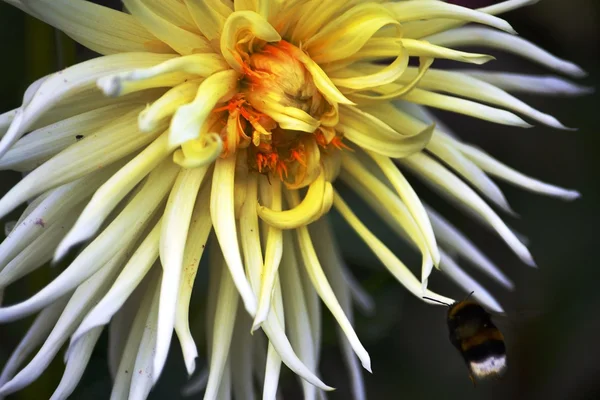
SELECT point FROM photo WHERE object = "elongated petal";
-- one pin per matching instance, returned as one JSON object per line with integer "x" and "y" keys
{"x": 200, "y": 228}
{"x": 223, "y": 218}
{"x": 453, "y": 240}
{"x": 209, "y": 16}
{"x": 448, "y": 183}
{"x": 501, "y": 41}
{"x": 115, "y": 189}
{"x": 98, "y": 28}
{"x": 241, "y": 358}
{"x": 39, "y": 330}
{"x": 182, "y": 41}
{"x": 122, "y": 382}
{"x": 83, "y": 298}
{"x": 129, "y": 278}
{"x": 70, "y": 82}
{"x": 109, "y": 144}
{"x": 392, "y": 263}
{"x": 117, "y": 237}
{"x": 77, "y": 359}
{"x": 317, "y": 276}
{"x": 174, "y": 232}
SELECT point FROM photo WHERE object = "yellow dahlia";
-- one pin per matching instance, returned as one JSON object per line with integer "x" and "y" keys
{"x": 238, "y": 118}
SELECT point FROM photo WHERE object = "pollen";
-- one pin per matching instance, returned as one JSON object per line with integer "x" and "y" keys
{"x": 276, "y": 115}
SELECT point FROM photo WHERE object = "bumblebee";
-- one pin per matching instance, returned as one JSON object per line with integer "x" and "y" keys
{"x": 477, "y": 339}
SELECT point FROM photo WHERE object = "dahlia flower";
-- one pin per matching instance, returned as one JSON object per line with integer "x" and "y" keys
{"x": 237, "y": 120}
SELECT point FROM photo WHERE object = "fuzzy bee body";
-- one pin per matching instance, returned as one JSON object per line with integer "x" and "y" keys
{"x": 477, "y": 339}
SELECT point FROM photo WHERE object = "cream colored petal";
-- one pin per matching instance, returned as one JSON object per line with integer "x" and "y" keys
{"x": 241, "y": 27}
{"x": 129, "y": 278}
{"x": 241, "y": 359}
{"x": 392, "y": 263}
{"x": 6, "y": 119}
{"x": 301, "y": 334}
{"x": 98, "y": 28}
{"x": 388, "y": 74}
{"x": 199, "y": 152}
{"x": 249, "y": 234}
{"x": 421, "y": 48}
{"x": 445, "y": 181}
{"x": 270, "y": 194}
{"x": 465, "y": 86}
{"x": 411, "y": 199}
{"x": 346, "y": 34}
{"x": 445, "y": 151}
{"x": 173, "y": 11}
{"x": 194, "y": 65}
{"x": 407, "y": 11}
{"x": 52, "y": 209}
{"x": 223, "y": 218}
{"x": 209, "y": 16}
{"x": 495, "y": 168}
{"x": 466, "y": 107}
{"x": 39, "y": 251}
{"x": 167, "y": 105}
{"x": 366, "y": 184}
{"x": 182, "y": 41}
{"x": 321, "y": 284}
{"x": 200, "y": 228}
{"x": 307, "y": 211}
{"x": 468, "y": 284}
{"x": 37, "y": 332}
{"x": 117, "y": 237}
{"x": 482, "y": 37}
{"x": 38, "y": 146}
{"x": 174, "y": 231}
{"x": 81, "y": 301}
{"x": 456, "y": 242}
{"x": 378, "y": 142}
{"x": 188, "y": 119}
{"x": 67, "y": 83}
{"x": 142, "y": 378}
{"x": 123, "y": 378}
{"x": 100, "y": 149}
{"x": 76, "y": 362}
{"x": 226, "y": 307}
{"x": 113, "y": 191}
{"x": 271, "y": 374}
{"x": 328, "y": 251}
{"x": 536, "y": 84}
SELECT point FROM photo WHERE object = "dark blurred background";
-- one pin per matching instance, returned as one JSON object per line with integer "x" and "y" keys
{"x": 552, "y": 325}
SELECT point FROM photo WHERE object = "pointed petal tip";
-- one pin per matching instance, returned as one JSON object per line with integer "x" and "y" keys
{"x": 190, "y": 366}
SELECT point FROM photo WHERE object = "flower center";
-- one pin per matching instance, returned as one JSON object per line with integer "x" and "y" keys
{"x": 280, "y": 116}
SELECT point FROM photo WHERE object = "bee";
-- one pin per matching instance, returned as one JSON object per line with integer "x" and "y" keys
{"x": 477, "y": 339}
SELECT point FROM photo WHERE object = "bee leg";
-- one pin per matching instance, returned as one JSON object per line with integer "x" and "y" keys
{"x": 472, "y": 380}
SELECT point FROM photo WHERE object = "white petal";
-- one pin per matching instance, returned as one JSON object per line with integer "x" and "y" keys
{"x": 69, "y": 82}
{"x": 450, "y": 268}
{"x": 329, "y": 252}
{"x": 392, "y": 263}
{"x": 116, "y": 238}
{"x": 200, "y": 228}
{"x": 34, "y": 337}
{"x": 226, "y": 308}
{"x": 454, "y": 240}
{"x": 301, "y": 334}
{"x": 174, "y": 232}
{"x": 322, "y": 286}
{"x": 122, "y": 381}
{"x": 442, "y": 179}
{"x": 114, "y": 190}
{"x": 77, "y": 360}
{"x": 502, "y": 41}
{"x": 129, "y": 278}
{"x": 223, "y": 217}
{"x": 50, "y": 210}
{"x": 241, "y": 358}
{"x": 142, "y": 378}
{"x": 81, "y": 301}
